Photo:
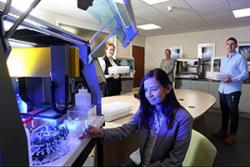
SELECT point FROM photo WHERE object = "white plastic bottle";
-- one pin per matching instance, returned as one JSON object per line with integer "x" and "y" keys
{"x": 23, "y": 107}
{"x": 83, "y": 102}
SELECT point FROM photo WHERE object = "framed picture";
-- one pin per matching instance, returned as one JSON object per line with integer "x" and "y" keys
{"x": 176, "y": 52}
{"x": 244, "y": 49}
{"x": 206, "y": 51}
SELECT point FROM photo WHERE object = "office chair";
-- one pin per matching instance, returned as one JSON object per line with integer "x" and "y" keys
{"x": 201, "y": 151}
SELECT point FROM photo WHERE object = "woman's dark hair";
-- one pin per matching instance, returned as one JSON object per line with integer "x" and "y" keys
{"x": 169, "y": 104}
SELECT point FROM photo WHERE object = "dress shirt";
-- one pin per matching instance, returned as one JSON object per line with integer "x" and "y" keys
{"x": 234, "y": 65}
{"x": 154, "y": 131}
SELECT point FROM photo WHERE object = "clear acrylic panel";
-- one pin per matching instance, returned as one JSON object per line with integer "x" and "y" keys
{"x": 117, "y": 16}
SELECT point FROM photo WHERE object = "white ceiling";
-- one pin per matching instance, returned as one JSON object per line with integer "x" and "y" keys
{"x": 186, "y": 16}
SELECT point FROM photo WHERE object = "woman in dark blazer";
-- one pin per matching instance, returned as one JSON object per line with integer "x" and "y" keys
{"x": 164, "y": 125}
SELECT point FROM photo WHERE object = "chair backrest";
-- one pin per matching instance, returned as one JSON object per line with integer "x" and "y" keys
{"x": 201, "y": 151}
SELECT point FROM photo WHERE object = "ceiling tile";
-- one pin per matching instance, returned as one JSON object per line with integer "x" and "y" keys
{"x": 148, "y": 13}
{"x": 198, "y": 3}
{"x": 184, "y": 14}
{"x": 179, "y": 8}
{"x": 238, "y": 4}
{"x": 192, "y": 24}
{"x": 215, "y": 8}
{"x": 140, "y": 21}
{"x": 137, "y": 4}
{"x": 219, "y": 16}
{"x": 243, "y": 21}
{"x": 187, "y": 15}
{"x": 225, "y": 21}
{"x": 165, "y": 21}
{"x": 174, "y": 3}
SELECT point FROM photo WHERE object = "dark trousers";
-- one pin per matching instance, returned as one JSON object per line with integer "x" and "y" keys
{"x": 112, "y": 87}
{"x": 229, "y": 104}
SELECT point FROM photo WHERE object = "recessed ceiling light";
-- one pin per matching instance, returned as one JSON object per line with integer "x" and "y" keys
{"x": 241, "y": 12}
{"x": 149, "y": 26}
{"x": 151, "y": 2}
{"x": 119, "y": 1}
{"x": 20, "y": 5}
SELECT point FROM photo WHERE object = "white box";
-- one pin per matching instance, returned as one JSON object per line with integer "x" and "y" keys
{"x": 118, "y": 70}
{"x": 116, "y": 110}
{"x": 215, "y": 75}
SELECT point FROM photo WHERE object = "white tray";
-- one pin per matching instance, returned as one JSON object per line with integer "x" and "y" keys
{"x": 216, "y": 75}
{"x": 118, "y": 70}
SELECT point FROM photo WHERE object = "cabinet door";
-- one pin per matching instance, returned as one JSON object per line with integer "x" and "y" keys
{"x": 200, "y": 86}
{"x": 244, "y": 105}
{"x": 127, "y": 85}
{"x": 213, "y": 89}
{"x": 183, "y": 84}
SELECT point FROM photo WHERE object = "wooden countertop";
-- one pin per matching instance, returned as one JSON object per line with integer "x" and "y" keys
{"x": 195, "y": 102}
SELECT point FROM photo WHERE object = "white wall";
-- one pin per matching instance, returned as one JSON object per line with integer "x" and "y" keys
{"x": 139, "y": 41}
{"x": 155, "y": 46}
{"x": 127, "y": 52}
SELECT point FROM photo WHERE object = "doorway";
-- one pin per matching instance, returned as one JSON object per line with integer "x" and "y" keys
{"x": 138, "y": 54}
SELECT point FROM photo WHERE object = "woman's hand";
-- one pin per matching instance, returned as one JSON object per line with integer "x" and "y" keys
{"x": 95, "y": 132}
{"x": 109, "y": 76}
{"x": 116, "y": 76}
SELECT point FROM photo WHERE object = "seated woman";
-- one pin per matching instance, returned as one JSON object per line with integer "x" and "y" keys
{"x": 164, "y": 125}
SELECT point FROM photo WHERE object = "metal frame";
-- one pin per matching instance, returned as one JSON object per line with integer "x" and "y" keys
{"x": 13, "y": 141}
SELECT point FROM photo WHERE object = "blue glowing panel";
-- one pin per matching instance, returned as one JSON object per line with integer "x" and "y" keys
{"x": 90, "y": 76}
{"x": 59, "y": 73}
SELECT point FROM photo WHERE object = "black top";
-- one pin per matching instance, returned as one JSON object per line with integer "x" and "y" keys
{"x": 113, "y": 86}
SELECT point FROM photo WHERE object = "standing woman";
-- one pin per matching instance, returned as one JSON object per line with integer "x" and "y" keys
{"x": 164, "y": 126}
{"x": 113, "y": 85}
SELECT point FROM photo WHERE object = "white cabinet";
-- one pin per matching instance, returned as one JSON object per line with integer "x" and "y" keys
{"x": 192, "y": 84}
{"x": 244, "y": 105}
{"x": 183, "y": 84}
{"x": 127, "y": 85}
{"x": 212, "y": 88}
{"x": 244, "y": 99}
{"x": 202, "y": 86}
